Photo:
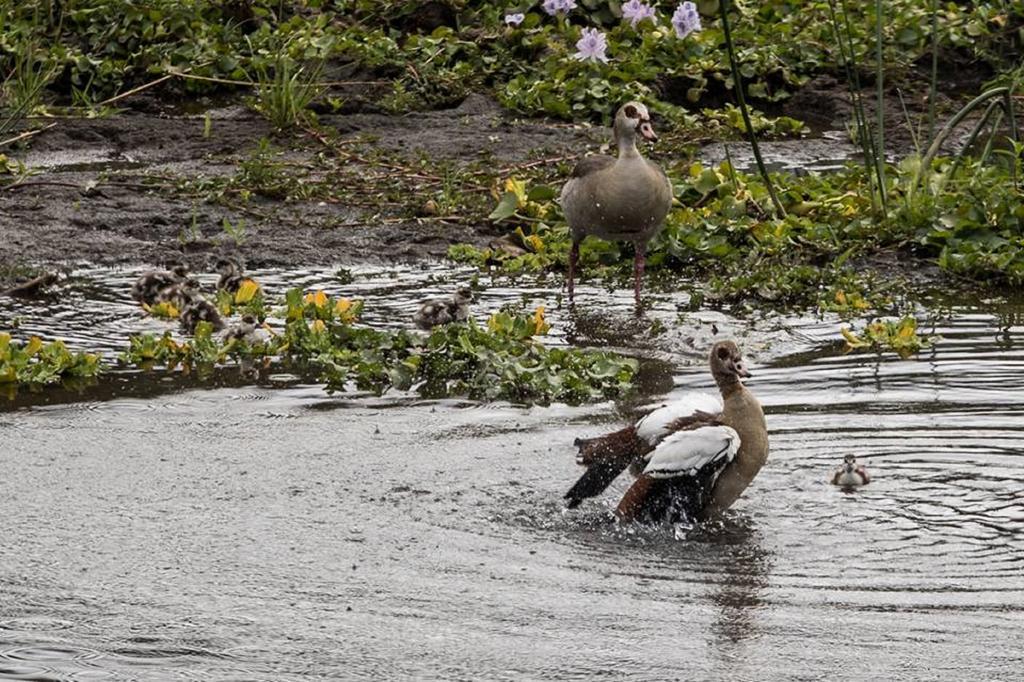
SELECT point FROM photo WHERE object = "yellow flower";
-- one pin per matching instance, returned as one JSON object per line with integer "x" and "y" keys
{"x": 535, "y": 243}
{"x": 318, "y": 326}
{"x": 246, "y": 291}
{"x": 517, "y": 187}
{"x": 319, "y": 298}
{"x": 540, "y": 327}
{"x": 34, "y": 344}
{"x": 164, "y": 309}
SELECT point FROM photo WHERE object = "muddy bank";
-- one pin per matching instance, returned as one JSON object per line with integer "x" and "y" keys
{"x": 92, "y": 195}
{"x": 165, "y": 180}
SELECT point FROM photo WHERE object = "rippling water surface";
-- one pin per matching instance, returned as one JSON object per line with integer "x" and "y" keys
{"x": 273, "y": 532}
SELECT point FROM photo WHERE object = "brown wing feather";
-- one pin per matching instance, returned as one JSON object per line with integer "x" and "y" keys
{"x": 592, "y": 164}
{"x": 605, "y": 458}
{"x": 635, "y": 502}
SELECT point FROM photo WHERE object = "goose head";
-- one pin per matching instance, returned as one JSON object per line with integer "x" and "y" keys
{"x": 463, "y": 296}
{"x": 631, "y": 120}
{"x": 727, "y": 364}
{"x": 849, "y": 464}
{"x": 227, "y": 267}
{"x": 178, "y": 269}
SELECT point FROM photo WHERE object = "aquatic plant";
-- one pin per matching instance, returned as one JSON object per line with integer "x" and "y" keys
{"x": 207, "y": 45}
{"x": 555, "y": 7}
{"x": 635, "y": 11}
{"x": 247, "y": 300}
{"x": 591, "y": 46}
{"x": 285, "y": 90}
{"x": 502, "y": 361}
{"x": 35, "y": 363}
{"x": 164, "y": 310}
{"x": 686, "y": 19}
{"x": 722, "y": 233}
{"x": 898, "y": 336}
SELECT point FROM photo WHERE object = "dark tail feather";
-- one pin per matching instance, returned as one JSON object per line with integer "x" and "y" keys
{"x": 605, "y": 458}
{"x": 594, "y": 480}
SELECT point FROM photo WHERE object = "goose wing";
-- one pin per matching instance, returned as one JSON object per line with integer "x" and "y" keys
{"x": 680, "y": 475}
{"x": 592, "y": 164}
{"x": 669, "y": 417}
{"x": 685, "y": 453}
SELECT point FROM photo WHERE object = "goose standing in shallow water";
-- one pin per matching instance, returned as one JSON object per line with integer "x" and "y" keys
{"x": 693, "y": 457}
{"x": 851, "y": 474}
{"x": 620, "y": 199}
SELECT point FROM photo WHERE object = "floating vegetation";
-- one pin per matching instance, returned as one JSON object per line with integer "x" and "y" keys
{"x": 36, "y": 363}
{"x": 247, "y": 300}
{"x": 898, "y": 336}
{"x": 500, "y": 361}
{"x": 722, "y": 230}
{"x": 164, "y": 310}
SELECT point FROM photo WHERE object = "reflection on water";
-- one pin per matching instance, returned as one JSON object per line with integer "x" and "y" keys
{"x": 160, "y": 528}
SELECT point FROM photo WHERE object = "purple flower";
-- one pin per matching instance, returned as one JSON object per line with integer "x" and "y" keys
{"x": 636, "y": 11}
{"x": 686, "y": 19}
{"x": 514, "y": 19}
{"x": 592, "y": 45}
{"x": 553, "y": 7}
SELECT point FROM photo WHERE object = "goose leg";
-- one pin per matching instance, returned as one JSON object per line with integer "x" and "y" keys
{"x": 574, "y": 255}
{"x": 638, "y": 269}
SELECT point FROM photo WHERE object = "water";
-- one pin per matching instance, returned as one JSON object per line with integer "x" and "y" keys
{"x": 273, "y": 532}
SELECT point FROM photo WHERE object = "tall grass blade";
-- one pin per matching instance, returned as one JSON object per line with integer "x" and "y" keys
{"x": 844, "y": 39}
{"x": 934, "y": 82}
{"x": 1003, "y": 92}
{"x": 880, "y": 113}
{"x": 742, "y": 102}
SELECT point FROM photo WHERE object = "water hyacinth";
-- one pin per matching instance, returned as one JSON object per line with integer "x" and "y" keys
{"x": 592, "y": 46}
{"x": 553, "y": 7}
{"x": 636, "y": 11}
{"x": 686, "y": 19}
{"x": 514, "y": 19}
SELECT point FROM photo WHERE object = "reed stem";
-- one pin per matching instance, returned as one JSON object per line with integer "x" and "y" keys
{"x": 737, "y": 82}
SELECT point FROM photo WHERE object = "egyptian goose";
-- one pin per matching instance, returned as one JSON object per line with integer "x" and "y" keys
{"x": 231, "y": 275}
{"x": 147, "y": 287}
{"x": 440, "y": 311}
{"x": 180, "y": 293}
{"x": 198, "y": 310}
{"x": 694, "y": 457}
{"x": 851, "y": 474}
{"x": 621, "y": 199}
{"x": 244, "y": 331}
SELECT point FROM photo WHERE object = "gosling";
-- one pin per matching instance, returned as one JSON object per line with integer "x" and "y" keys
{"x": 438, "y": 311}
{"x": 851, "y": 474}
{"x": 148, "y": 286}
{"x": 198, "y": 310}
{"x": 244, "y": 331}
{"x": 231, "y": 275}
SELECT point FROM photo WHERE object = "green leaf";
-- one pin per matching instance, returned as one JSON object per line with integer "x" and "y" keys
{"x": 506, "y": 207}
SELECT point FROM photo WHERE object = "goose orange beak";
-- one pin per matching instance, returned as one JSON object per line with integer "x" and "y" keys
{"x": 647, "y": 131}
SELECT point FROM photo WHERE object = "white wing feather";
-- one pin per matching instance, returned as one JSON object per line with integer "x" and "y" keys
{"x": 654, "y": 426}
{"x": 686, "y": 452}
